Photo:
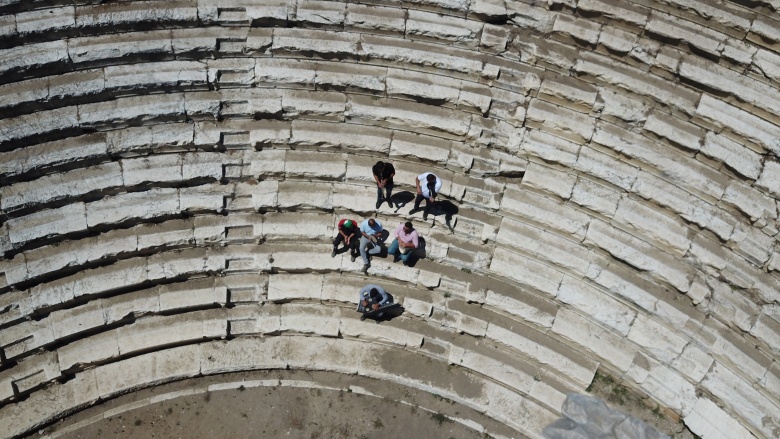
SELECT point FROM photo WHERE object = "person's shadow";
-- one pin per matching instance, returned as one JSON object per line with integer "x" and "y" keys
{"x": 446, "y": 208}
{"x": 418, "y": 253}
{"x": 391, "y": 312}
{"x": 401, "y": 199}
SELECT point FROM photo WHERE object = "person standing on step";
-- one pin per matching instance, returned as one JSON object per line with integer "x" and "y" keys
{"x": 428, "y": 187}
{"x": 406, "y": 240}
{"x": 383, "y": 176}
{"x": 370, "y": 231}
{"x": 348, "y": 233}
{"x": 373, "y": 297}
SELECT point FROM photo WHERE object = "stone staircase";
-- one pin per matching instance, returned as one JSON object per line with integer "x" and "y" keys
{"x": 172, "y": 173}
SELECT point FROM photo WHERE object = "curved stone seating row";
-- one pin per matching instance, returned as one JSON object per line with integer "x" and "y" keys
{"x": 664, "y": 161}
{"x": 156, "y": 330}
{"x": 182, "y": 75}
{"x": 644, "y": 329}
{"x": 253, "y": 353}
{"x": 303, "y": 266}
{"x": 550, "y": 282}
{"x": 733, "y": 194}
{"x": 317, "y": 381}
{"x": 303, "y": 159}
{"x": 416, "y": 307}
{"x": 646, "y": 372}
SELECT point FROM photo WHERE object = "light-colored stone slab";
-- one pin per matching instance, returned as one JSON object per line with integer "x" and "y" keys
{"x": 545, "y": 211}
{"x": 664, "y": 343}
{"x": 706, "y": 419}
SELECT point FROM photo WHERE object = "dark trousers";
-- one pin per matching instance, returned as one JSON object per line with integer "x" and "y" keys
{"x": 354, "y": 242}
{"x": 388, "y": 189}
{"x": 419, "y": 199}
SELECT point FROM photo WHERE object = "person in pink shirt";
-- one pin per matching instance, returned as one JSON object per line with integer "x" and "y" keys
{"x": 406, "y": 240}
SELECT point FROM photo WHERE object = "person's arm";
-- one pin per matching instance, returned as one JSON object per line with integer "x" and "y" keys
{"x": 385, "y": 297}
{"x": 415, "y": 239}
{"x": 360, "y": 295}
{"x": 417, "y": 183}
{"x": 379, "y": 182}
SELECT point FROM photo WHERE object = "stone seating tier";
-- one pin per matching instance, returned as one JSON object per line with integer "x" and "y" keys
{"x": 652, "y": 174}
{"x": 347, "y": 356}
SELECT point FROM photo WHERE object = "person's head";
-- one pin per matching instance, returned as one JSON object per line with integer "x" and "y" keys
{"x": 348, "y": 224}
{"x": 374, "y": 291}
{"x": 371, "y": 222}
{"x": 408, "y": 227}
{"x": 431, "y": 184}
{"x": 380, "y": 164}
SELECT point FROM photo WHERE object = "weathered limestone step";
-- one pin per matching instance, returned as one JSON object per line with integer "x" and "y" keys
{"x": 664, "y": 384}
{"x": 591, "y": 301}
{"x": 605, "y": 166}
{"x": 531, "y": 240}
{"x": 743, "y": 400}
{"x": 52, "y": 155}
{"x": 433, "y": 57}
{"x": 577, "y": 28}
{"x": 740, "y": 122}
{"x": 743, "y": 87}
{"x": 662, "y": 230}
{"x": 595, "y": 196}
{"x": 577, "y": 127}
{"x": 551, "y": 179}
{"x": 377, "y": 19}
{"x": 639, "y": 254}
{"x": 28, "y": 374}
{"x": 675, "y": 166}
{"x": 61, "y": 186}
{"x": 437, "y": 28}
{"x": 143, "y": 335}
{"x": 545, "y": 211}
{"x": 484, "y": 162}
{"x": 543, "y": 349}
{"x": 353, "y": 137}
{"x": 320, "y": 165}
{"x": 690, "y": 207}
{"x": 22, "y": 59}
{"x": 36, "y": 124}
{"x": 405, "y": 115}
{"x": 631, "y": 286}
{"x": 700, "y": 37}
{"x": 605, "y": 344}
{"x": 622, "y": 76}
{"x": 749, "y": 200}
{"x": 136, "y": 141}
{"x": 706, "y": 419}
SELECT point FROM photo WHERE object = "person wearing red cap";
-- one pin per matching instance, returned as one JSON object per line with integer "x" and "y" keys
{"x": 349, "y": 234}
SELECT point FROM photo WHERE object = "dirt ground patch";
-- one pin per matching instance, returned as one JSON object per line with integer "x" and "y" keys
{"x": 274, "y": 411}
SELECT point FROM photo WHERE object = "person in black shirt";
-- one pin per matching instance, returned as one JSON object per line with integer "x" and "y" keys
{"x": 383, "y": 175}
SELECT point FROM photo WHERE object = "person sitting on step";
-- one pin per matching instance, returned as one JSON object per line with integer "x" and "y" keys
{"x": 371, "y": 232}
{"x": 348, "y": 234}
{"x": 406, "y": 240}
{"x": 373, "y": 297}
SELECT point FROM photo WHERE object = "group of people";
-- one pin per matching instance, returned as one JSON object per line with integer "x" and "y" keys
{"x": 427, "y": 184}
{"x": 364, "y": 239}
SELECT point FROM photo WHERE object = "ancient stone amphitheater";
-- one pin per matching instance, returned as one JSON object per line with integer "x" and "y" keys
{"x": 172, "y": 173}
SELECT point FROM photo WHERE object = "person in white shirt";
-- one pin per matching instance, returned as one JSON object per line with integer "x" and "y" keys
{"x": 428, "y": 187}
